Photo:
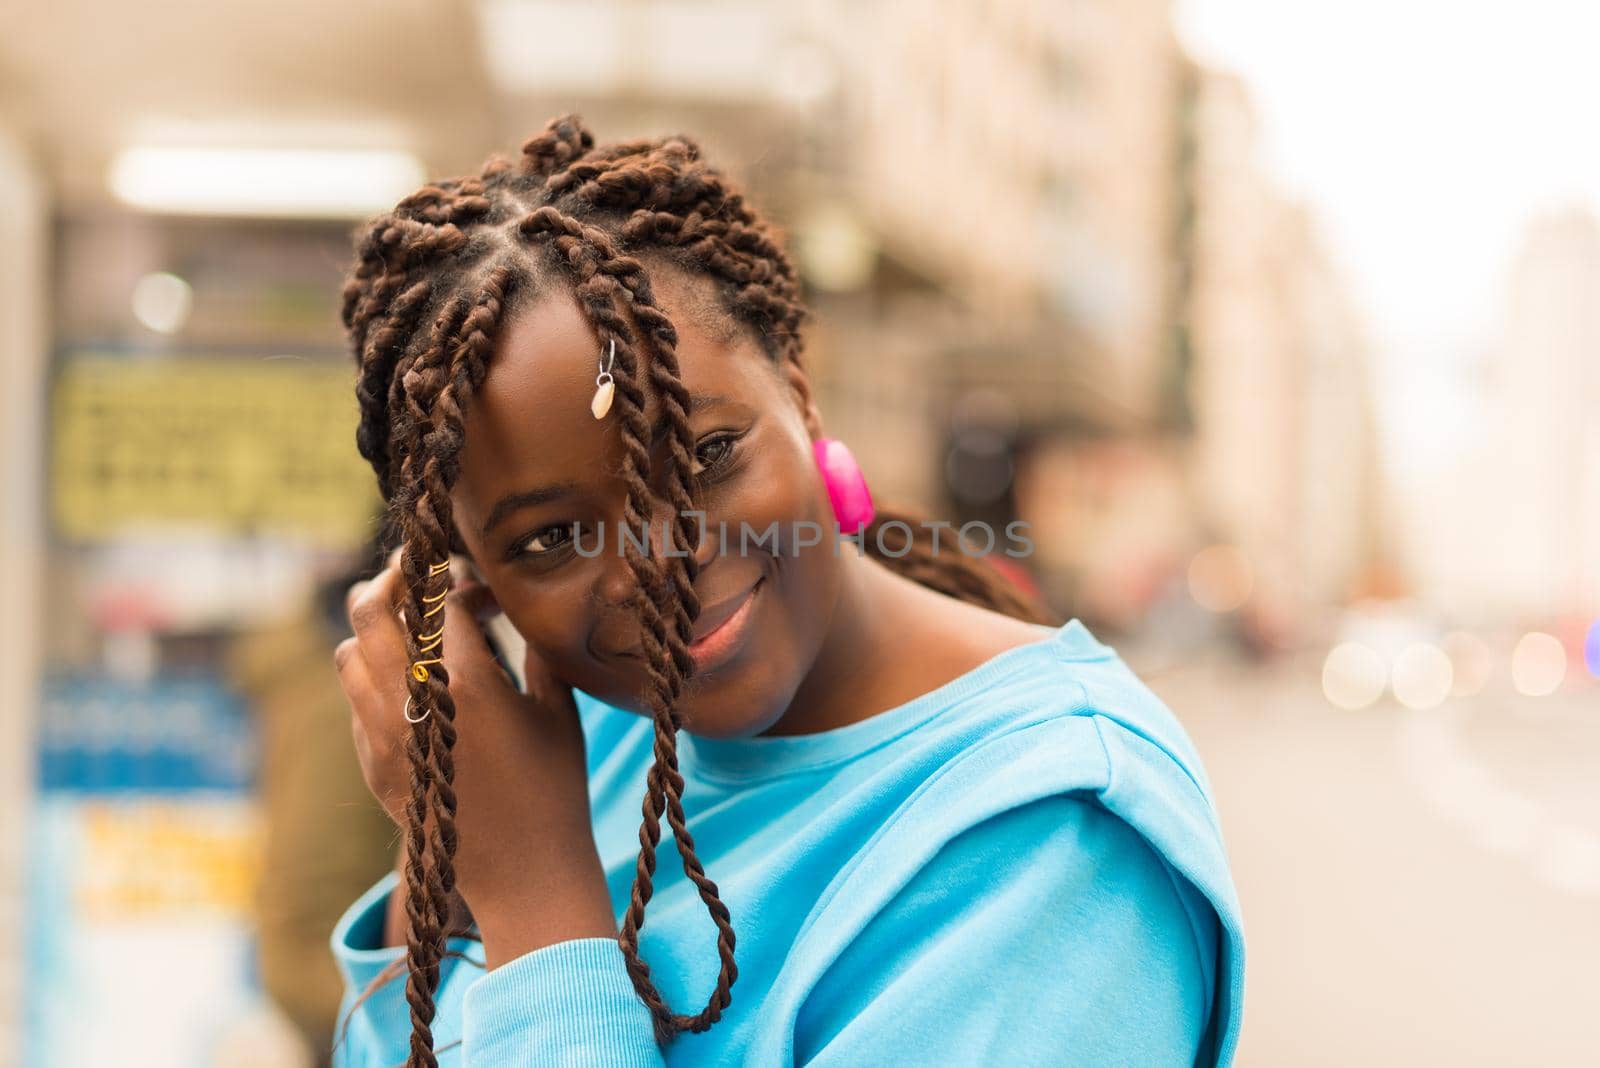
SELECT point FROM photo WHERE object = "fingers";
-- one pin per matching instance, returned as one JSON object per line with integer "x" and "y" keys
{"x": 377, "y": 617}
{"x": 375, "y": 623}
{"x": 368, "y": 706}
{"x": 372, "y": 665}
{"x": 477, "y": 598}
{"x": 466, "y": 650}
{"x": 543, "y": 686}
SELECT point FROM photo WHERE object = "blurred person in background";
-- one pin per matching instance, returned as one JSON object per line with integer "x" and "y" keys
{"x": 325, "y": 838}
{"x": 947, "y": 828}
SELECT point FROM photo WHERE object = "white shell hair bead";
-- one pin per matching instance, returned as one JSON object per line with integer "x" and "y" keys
{"x": 601, "y": 404}
{"x": 605, "y": 387}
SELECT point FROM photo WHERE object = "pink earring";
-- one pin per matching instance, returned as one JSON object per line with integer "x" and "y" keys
{"x": 847, "y": 486}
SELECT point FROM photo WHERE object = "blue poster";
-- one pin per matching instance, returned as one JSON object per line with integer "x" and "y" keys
{"x": 144, "y": 852}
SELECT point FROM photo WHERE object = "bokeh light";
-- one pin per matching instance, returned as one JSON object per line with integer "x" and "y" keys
{"x": 1591, "y": 649}
{"x": 836, "y": 250}
{"x": 1353, "y": 675}
{"x": 1538, "y": 664}
{"x": 161, "y": 301}
{"x": 1422, "y": 676}
{"x": 1220, "y": 578}
{"x": 979, "y": 467}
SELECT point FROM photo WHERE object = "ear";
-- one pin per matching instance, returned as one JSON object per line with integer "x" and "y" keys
{"x": 799, "y": 383}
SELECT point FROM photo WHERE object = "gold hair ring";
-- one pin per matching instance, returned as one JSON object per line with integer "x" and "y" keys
{"x": 605, "y": 386}
{"x": 419, "y": 669}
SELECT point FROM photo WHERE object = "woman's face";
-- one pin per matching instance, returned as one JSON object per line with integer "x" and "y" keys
{"x": 536, "y": 461}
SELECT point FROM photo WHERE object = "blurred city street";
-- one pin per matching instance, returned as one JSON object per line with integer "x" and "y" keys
{"x": 1418, "y": 887}
{"x": 1276, "y": 325}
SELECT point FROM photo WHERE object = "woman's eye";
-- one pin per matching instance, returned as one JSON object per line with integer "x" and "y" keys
{"x": 547, "y": 540}
{"x": 713, "y": 454}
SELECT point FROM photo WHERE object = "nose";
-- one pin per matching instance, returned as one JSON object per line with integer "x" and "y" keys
{"x": 664, "y": 522}
{"x": 616, "y": 580}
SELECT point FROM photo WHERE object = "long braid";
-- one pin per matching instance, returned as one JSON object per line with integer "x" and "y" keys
{"x": 431, "y": 800}
{"x": 382, "y": 350}
{"x": 602, "y": 272}
{"x": 434, "y": 910}
{"x": 902, "y": 540}
{"x": 465, "y": 365}
{"x": 451, "y": 255}
{"x": 435, "y": 433}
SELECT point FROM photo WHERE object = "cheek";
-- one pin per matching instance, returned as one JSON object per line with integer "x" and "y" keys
{"x": 782, "y": 486}
{"x": 553, "y": 623}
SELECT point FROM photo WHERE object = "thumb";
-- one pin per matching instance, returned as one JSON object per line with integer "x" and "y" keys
{"x": 466, "y": 649}
{"x": 477, "y": 598}
{"x": 543, "y": 686}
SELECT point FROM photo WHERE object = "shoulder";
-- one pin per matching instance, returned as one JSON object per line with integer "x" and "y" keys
{"x": 1062, "y": 714}
{"x": 1070, "y": 715}
{"x": 1080, "y": 765}
{"x": 1001, "y": 883}
{"x": 1054, "y": 915}
{"x": 1066, "y": 719}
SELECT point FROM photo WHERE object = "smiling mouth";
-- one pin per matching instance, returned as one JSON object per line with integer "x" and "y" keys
{"x": 716, "y": 628}
{"x": 717, "y": 616}
{"x": 722, "y": 637}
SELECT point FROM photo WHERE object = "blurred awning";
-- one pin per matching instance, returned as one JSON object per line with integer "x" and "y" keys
{"x": 1047, "y": 370}
{"x": 82, "y": 80}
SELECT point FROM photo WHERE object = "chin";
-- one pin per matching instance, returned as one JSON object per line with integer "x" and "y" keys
{"x": 738, "y": 704}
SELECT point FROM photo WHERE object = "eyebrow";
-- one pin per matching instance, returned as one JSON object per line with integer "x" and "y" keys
{"x": 515, "y": 502}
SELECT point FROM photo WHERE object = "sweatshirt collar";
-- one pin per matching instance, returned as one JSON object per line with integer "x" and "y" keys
{"x": 757, "y": 757}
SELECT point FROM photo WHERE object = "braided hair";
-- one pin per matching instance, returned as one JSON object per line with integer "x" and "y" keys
{"x": 431, "y": 282}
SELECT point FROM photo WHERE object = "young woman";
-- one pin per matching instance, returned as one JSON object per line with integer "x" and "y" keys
{"x": 943, "y": 830}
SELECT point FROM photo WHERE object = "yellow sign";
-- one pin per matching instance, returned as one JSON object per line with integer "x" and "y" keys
{"x": 175, "y": 856}
{"x": 243, "y": 446}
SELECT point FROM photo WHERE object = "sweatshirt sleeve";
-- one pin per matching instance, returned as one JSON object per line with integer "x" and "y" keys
{"x": 568, "y": 1003}
{"x": 373, "y": 1028}
{"x": 374, "y": 1024}
{"x": 1050, "y": 933}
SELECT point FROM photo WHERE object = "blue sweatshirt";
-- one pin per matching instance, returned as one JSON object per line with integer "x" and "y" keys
{"x": 1020, "y": 867}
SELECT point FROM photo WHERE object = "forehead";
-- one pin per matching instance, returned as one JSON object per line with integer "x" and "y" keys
{"x": 528, "y": 424}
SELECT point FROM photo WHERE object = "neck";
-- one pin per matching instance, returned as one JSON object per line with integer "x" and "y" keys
{"x": 847, "y": 681}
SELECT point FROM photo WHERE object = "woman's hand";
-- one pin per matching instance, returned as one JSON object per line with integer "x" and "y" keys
{"x": 525, "y": 862}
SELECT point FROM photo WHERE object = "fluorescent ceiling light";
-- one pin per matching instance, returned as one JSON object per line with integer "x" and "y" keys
{"x": 295, "y": 183}
{"x": 712, "y": 49}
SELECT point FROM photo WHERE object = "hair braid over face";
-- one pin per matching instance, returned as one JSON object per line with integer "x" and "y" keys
{"x": 422, "y": 304}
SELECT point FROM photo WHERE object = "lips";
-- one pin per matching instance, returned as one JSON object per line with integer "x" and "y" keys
{"x": 708, "y": 622}
{"x": 721, "y": 643}
{"x": 714, "y": 617}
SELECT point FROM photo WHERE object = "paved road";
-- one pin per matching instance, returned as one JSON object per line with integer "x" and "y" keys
{"x": 1418, "y": 888}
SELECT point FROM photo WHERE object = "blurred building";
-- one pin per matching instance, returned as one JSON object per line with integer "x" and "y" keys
{"x": 1022, "y": 154}
{"x": 1154, "y": 339}
{"x": 1546, "y": 381}
{"x": 1016, "y": 166}
{"x": 1536, "y": 453}
{"x": 23, "y": 347}
{"x": 1285, "y": 449}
